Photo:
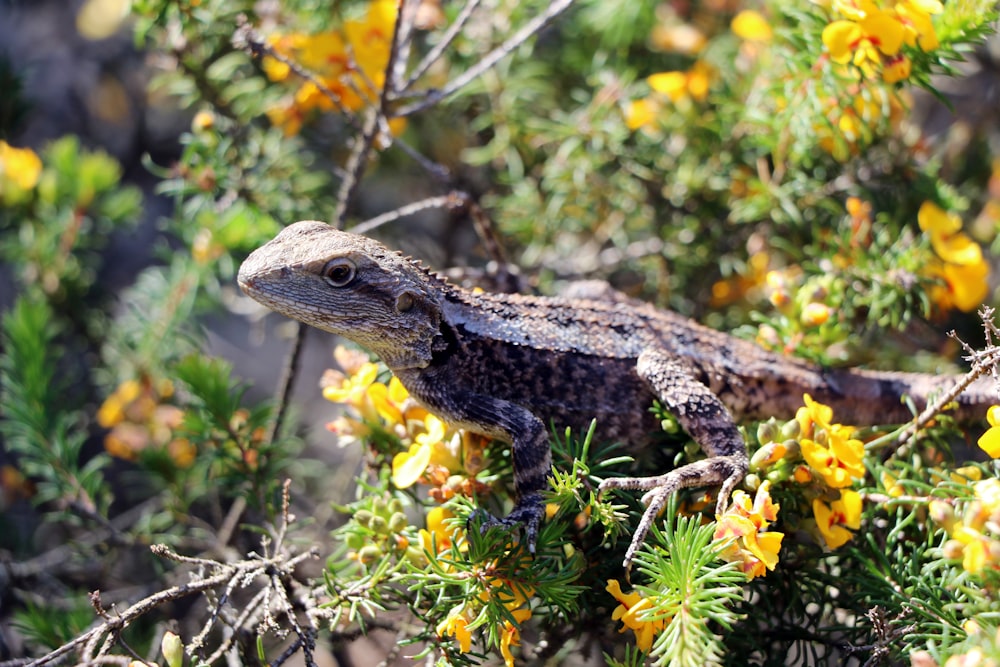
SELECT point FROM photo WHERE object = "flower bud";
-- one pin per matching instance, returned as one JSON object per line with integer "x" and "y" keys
{"x": 942, "y": 513}
{"x": 172, "y": 649}
{"x": 397, "y": 522}
{"x": 767, "y": 432}
{"x": 369, "y": 554}
{"x": 379, "y": 524}
{"x": 791, "y": 429}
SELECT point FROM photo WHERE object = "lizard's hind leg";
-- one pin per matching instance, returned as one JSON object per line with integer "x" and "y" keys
{"x": 706, "y": 419}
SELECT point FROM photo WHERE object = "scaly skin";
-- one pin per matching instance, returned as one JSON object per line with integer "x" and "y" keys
{"x": 507, "y": 365}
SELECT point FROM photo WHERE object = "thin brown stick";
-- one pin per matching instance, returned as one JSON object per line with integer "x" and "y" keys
{"x": 374, "y": 123}
{"x": 438, "y": 50}
{"x": 432, "y": 97}
{"x": 451, "y": 201}
{"x": 983, "y": 362}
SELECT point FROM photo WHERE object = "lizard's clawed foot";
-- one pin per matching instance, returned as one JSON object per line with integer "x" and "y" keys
{"x": 528, "y": 512}
{"x": 725, "y": 470}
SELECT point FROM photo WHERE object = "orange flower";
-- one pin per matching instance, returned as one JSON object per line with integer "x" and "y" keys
{"x": 753, "y": 546}
{"x": 349, "y": 62}
{"x": 510, "y": 635}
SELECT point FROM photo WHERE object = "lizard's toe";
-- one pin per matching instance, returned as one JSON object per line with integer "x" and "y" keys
{"x": 527, "y": 513}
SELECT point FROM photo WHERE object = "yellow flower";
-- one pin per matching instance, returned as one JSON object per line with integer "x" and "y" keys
{"x": 813, "y": 415}
{"x": 860, "y": 42}
{"x": 671, "y": 84}
{"x": 456, "y": 624}
{"x": 630, "y": 612}
{"x": 975, "y": 548}
{"x": 349, "y": 62}
{"x": 641, "y": 113}
{"x": 354, "y": 390}
{"x": 139, "y": 417}
{"x": 112, "y": 411}
{"x": 751, "y": 26}
{"x": 966, "y": 285}
{"x": 840, "y": 462}
{"x": 182, "y": 451}
{"x": 915, "y": 15}
{"x": 350, "y": 359}
{"x": 896, "y": 68}
{"x": 408, "y": 466}
{"x": 438, "y": 536}
{"x": 962, "y": 269}
{"x": 19, "y": 167}
{"x": 892, "y": 487}
{"x": 288, "y": 118}
{"x": 870, "y": 35}
{"x": 988, "y": 492}
{"x": 989, "y": 442}
{"x": 934, "y": 220}
{"x": 946, "y": 236}
{"x": 834, "y": 519}
{"x": 429, "y": 446}
{"x": 389, "y": 400}
{"x": 284, "y": 45}
{"x": 677, "y": 86}
{"x": 370, "y": 40}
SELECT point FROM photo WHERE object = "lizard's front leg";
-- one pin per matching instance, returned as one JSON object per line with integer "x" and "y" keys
{"x": 503, "y": 420}
{"x": 706, "y": 419}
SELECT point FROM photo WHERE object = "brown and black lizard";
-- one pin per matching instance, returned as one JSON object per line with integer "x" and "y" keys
{"x": 509, "y": 366}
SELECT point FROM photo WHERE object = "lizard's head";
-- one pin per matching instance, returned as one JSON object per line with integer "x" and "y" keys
{"x": 348, "y": 285}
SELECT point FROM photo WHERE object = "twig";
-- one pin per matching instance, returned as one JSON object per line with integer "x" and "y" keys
{"x": 452, "y": 201}
{"x": 288, "y": 375}
{"x": 246, "y": 38}
{"x": 232, "y": 519}
{"x": 136, "y": 610}
{"x": 433, "y": 96}
{"x": 373, "y": 124}
{"x": 47, "y": 562}
{"x": 237, "y": 622}
{"x": 286, "y": 516}
{"x": 487, "y": 234}
{"x": 982, "y": 363}
{"x": 446, "y": 39}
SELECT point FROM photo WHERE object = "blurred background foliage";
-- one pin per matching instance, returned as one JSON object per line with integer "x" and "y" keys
{"x": 821, "y": 177}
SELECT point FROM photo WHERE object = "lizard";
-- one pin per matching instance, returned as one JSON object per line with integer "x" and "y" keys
{"x": 508, "y": 365}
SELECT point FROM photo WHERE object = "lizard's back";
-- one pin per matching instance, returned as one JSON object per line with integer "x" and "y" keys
{"x": 576, "y": 360}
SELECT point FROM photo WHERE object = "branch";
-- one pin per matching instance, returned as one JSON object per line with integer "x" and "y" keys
{"x": 227, "y": 574}
{"x": 374, "y": 123}
{"x": 983, "y": 362}
{"x": 438, "y": 50}
{"x": 433, "y": 96}
{"x": 451, "y": 201}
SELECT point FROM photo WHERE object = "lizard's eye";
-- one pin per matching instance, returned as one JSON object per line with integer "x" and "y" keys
{"x": 339, "y": 272}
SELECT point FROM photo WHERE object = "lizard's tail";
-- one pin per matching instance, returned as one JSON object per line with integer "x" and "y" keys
{"x": 876, "y": 397}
